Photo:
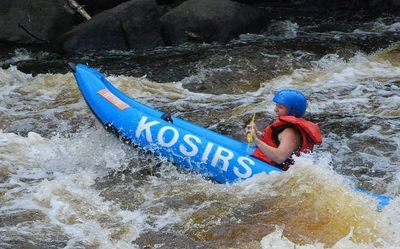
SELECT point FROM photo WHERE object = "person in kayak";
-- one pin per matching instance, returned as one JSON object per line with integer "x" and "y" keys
{"x": 288, "y": 134}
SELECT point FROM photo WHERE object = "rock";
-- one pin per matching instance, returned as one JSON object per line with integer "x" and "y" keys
{"x": 209, "y": 20}
{"x": 130, "y": 25}
{"x": 169, "y": 2}
{"x": 43, "y": 18}
{"x": 93, "y": 7}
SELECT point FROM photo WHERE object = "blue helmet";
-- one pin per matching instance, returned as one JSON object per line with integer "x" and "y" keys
{"x": 294, "y": 100}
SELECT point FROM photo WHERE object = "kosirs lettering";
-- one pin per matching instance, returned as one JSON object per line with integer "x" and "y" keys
{"x": 242, "y": 162}
{"x": 224, "y": 158}
{"x": 161, "y": 137}
{"x": 194, "y": 149}
{"x": 142, "y": 126}
{"x": 190, "y": 145}
{"x": 207, "y": 151}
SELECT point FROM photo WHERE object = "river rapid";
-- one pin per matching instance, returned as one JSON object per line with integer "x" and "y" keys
{"x": 65, "y": 182}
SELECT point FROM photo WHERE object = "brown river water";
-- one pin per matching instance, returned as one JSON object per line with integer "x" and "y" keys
{"x": 65, "y": 182}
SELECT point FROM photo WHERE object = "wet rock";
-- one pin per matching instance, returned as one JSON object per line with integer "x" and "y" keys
{"x": 170, "y": 2}
{"x": 44, "y": 19}
{"x": 131, "y": 25}
{"x": 93, "y": 7}
{"x": 208, "y": 21}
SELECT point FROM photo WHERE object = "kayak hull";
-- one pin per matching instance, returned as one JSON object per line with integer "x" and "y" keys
{"x": 187, "y": 145}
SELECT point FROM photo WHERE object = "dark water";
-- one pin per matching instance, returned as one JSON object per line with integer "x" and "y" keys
{"x": 67, "y": 183}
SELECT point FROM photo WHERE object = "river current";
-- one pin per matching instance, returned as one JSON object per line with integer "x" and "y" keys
{"x": 65, "y": 182}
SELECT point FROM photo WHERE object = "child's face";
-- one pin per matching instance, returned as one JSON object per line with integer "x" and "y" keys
{"x": 280, "y": 110}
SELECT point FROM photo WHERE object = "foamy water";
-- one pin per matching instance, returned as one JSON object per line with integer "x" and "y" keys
{"x": 65, "y": 182}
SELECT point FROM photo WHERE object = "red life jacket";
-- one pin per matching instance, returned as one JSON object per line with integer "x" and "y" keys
{"x": 309, "y": 132}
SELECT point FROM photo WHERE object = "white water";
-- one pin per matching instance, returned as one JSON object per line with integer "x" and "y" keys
{"x": 54, "y": 169}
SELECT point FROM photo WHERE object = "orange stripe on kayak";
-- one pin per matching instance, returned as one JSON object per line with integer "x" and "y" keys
{"x": 113, "y": 99}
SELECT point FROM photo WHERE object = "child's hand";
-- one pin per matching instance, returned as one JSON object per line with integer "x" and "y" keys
{"x": 250, "y": 137}
{"x": 250, "y": 131}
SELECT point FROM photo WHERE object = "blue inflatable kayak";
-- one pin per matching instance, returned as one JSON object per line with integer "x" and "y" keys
{"x": 214, "y": 155}
{"x": 190, "y": 146}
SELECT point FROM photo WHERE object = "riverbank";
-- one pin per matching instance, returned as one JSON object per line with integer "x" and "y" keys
{"x": 149, "y": 24}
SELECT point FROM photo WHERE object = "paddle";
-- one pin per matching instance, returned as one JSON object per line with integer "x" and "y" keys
{"x": 250, "y": 135}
